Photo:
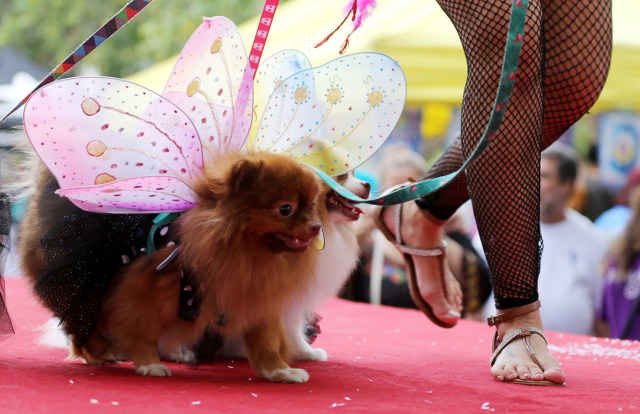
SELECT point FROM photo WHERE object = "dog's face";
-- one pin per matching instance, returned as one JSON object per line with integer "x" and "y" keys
{"x": 338, "y": 207}
{"x": 269, "y": 198}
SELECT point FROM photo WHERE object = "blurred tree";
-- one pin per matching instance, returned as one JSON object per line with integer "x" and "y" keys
{"x": 47, "y": 31}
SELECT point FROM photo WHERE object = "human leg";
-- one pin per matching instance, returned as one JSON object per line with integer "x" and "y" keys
{"x": 483, "y": 42}
{"x": 505, "y": 183}
{"x": 582, "y": 74}
{"x": 482, "y": 27}
{"x": 577, "y": 36}
{"x": 576, "y": 63}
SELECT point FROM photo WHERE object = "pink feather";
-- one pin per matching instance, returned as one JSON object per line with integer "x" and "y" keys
{"x": 363, "y": 10}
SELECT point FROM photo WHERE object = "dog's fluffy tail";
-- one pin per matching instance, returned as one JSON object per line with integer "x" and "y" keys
{"x": 52, "y": 335}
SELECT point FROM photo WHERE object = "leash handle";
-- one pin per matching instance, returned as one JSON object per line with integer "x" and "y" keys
{"x": 124, "y": 16}
{"x": 419, "y": 189}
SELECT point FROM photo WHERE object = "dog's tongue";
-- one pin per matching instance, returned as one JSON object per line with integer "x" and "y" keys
{"x": 353, "y": 210}
{"x": 293, "y": 243}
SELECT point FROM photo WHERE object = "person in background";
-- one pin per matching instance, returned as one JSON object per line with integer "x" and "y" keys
{"x": 592, "y": 197}
{"x": 614, "y": 220}
{"x": 618, "y": 316}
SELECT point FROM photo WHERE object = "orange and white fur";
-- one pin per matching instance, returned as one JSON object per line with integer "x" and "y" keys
{"x": 336, "y": 263}
{"x": 247, "y": 245}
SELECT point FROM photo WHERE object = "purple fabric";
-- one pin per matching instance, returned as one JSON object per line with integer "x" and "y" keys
{"x": 617, "y": 300}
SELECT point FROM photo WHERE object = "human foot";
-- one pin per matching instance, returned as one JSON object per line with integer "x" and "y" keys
{"x": 420, "y": 238}
{"x": 514, "y": 362}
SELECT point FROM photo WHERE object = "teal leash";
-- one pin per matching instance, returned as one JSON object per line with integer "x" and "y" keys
{"x": 419, "y": 189}
{"x": 160, "y": 221}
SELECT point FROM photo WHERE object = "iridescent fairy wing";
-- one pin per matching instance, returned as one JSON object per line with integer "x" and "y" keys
{"x": 133, "y": 195}
{"x": 97, "y": 134}
{"x": 335, "y": 116}
{"x": 271, "y": 73}
{"x": 212, "y": 83}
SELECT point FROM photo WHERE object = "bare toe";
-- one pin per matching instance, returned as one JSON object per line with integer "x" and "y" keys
{"x": 515, "y": 362}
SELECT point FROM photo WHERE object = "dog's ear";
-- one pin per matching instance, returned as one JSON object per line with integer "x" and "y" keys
{"x": 243, "y": 174}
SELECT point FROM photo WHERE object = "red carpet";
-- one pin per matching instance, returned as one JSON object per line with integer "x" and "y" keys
{"x": 381, "y": 360}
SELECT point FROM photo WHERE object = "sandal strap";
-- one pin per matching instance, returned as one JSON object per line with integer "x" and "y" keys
{"x": 414, "y": 251}
{"x": 513, "y": 313}
{"x": 524, "y": 333}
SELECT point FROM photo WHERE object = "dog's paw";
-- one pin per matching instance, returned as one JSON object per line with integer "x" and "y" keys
{"x": 289, "y": 375}
{"x": 311, "y": 354}
{"x": 154, "y": 370}
{"x": 181, "y": 355}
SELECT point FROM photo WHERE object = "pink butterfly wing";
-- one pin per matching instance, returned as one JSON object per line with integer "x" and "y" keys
{"x": 134, "y": 195}
{"x": 335, "y": 116}
{"x": 212, "y": 83}
{"x": 93, "y": 131}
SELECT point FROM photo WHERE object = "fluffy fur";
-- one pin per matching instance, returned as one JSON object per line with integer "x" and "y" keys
{"x": 246, "y": 247}
{"x": 337, "y": 262}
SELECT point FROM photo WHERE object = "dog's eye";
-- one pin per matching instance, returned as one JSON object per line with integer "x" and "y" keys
{"x": 342, "y": 177}
{"x": 285, "y": 210}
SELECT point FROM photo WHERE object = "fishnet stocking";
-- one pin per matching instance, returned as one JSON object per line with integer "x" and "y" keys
{"x": 563, "y": 67}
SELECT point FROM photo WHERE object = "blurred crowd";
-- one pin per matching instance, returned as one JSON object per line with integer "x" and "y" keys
{"x": 590, "y": 265}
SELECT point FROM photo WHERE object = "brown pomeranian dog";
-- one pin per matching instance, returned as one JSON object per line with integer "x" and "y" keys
{"x": 336, "y": 263}
{"x": 244, "y": 251}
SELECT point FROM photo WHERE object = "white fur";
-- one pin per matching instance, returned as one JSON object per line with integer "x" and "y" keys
{"x": 337, "y": 262}
{"x": 154, "y": 370}
{"x": 179, "y": 353}
{"x": 52, "y": 335}
{"x": 287, "y": 375}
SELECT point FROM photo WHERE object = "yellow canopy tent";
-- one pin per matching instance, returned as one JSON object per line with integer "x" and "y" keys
{"x": 414, "y": 32}
{"x": 422, "y": 39}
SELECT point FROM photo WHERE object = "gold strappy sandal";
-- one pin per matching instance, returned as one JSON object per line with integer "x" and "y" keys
{"x": 523, "y": 333}
{"x": 407, "y": 252}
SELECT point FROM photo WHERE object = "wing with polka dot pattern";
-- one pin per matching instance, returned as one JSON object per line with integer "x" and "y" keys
{"x": 335, "y": 116}
{"x": 117, "y": 147}
{"x": 213, "y": 84}
{"x": 271, "y": 73}
{"x": 95, "y": 134}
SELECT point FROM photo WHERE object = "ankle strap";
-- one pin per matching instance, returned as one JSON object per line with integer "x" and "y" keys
{"x": 513, "y": 313}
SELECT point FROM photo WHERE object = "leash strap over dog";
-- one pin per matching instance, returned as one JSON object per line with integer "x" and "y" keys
{"x": 416, "y": 190}
{"x": 124, "y": 16}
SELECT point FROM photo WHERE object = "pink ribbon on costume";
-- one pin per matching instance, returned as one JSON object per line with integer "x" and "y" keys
{"x": 259, "y": 40}
{"x": 264, "y": 24}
